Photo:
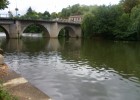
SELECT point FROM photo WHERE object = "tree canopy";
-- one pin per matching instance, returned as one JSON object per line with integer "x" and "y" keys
{"x": 4, "y": 4}
{"x": 129, "y": 4}
{"x": 113, "y": 22}
{"x": 32, "y": 14}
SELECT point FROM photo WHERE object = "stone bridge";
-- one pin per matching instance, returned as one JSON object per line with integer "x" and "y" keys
{"x": 15, "y": 27}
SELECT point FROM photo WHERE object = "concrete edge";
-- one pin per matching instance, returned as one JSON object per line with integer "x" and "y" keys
{"x": 19, "y": 86}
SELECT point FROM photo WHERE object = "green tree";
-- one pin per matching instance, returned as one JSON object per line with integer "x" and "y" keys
{"x": 10, "y": 14}
{"x": 30, "y": 14}
{"x": 121, "y": 30}
{"x": 29, "y": 11}
{"x": 4, "y": 4}
{"x": 1, "y": 30}
{"x": 33, "y": 29}
{"x": 135, "y": 22}
{"x": 65, "y": 13}
{"x": 129, "y": 4}
{"x": 75, "y": 10}
{"x": 54, "y": 15}
{"x": 106, "y": 17}
{"x": 46, "y": 15}
{"x": 88, "y": 25}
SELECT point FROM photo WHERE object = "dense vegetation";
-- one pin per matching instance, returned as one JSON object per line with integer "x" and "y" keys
{"x": 1, "y": 30}
{"x": 120, "y": 21}
{"x": 32, "y": 14}
{"x": 4, "y": 95}
{"x": 65, "y": 13}
{"x": 3, "y": 4}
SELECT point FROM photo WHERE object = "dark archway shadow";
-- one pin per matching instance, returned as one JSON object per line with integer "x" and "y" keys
{"x": 3, "y": 30}
{"x": 35, "y": 30}
{"x": 67, "y": 32}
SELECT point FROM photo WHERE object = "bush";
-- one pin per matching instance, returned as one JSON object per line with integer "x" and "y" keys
{"x": 4, "y": 95}
{"x": 88, "y": 24}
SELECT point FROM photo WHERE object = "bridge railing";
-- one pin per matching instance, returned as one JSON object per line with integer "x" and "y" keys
{"x": 50, "y": 20}
{"x": 66, "y": 20}
{"x": 4, "y": 15}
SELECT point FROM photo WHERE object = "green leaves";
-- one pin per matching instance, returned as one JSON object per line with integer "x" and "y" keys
{"x": 111, "y": 22}
{"x": 88, "y": 25}
{"x": 4, "y": 4}
{"x": 135, "y": 19}
{"x": 106, "y": 18}
{"x": 129, "y": 4}
{"x": 4, "y": 95}
{"x": 76, "y": 10}
{"x": 32, "y": 14}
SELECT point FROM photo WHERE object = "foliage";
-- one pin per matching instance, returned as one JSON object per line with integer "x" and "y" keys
{"x": 129, "y": 4}
{"x": 4, "y": 95}
{"x": 122, "y": 27}
{"x": 33, "y": 29}
{"x": 135, "y": 22}
{"x": 4, "y": 4}
{"x": 103, "y": 21}
{"x": 10, "y": 14}
{"x": 64, "y": 33}
{"x": 1, "y": 30}
{"x": 32, "y": 14}
{"x": 46, "y": 15}
{"x": 76, "y": 10}
{"x": 113, "y": 22}
{"x": 88, "y": 25}
{"x": 65, "y": 13}
{"x": 54, "y": 15}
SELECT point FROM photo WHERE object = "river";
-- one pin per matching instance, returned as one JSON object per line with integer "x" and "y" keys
{"x": 76, "y": 69}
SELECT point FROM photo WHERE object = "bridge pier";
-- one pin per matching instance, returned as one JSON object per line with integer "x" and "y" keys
{"x": 13, "y": 32}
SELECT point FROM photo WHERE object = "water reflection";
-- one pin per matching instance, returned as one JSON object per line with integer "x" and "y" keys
{"x": 120, "y": 56}
{"x": 78, "y": 69}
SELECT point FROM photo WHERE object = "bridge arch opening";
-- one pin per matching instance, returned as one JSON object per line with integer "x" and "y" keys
{"x": 67, "y": 32}
{"x": 35, "y": 30}
{"x": 3, "y": 32}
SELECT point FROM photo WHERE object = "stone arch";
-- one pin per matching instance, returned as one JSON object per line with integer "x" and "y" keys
{"x": 5, "y": 31}
{"x": 71, "y": 31}
{"x": 45, "y": 30}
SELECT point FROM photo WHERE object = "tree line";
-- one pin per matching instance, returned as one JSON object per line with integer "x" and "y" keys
{"x": 121, "y": 21}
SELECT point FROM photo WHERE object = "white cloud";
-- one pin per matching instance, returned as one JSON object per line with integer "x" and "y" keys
{"x": 50, "y": 5}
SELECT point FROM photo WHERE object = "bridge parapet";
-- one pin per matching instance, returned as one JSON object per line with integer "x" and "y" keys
{"x": 66, "y": 21}
{"x": 41, "y": 20}
{"x": 4, "y": 15}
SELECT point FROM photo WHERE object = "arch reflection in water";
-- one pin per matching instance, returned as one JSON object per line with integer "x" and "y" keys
{"x": 35, "y": 44}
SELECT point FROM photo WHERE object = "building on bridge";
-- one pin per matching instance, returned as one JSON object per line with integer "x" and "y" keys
{"x": 77, "y": 18}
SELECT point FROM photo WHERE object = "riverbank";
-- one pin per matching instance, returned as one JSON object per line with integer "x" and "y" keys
{"x": 18, "y": 86}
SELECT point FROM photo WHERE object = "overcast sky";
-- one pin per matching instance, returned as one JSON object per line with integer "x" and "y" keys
{"x": 50, "y": 5}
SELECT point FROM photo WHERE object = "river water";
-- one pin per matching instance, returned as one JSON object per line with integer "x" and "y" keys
{"x": 75, "y": 69}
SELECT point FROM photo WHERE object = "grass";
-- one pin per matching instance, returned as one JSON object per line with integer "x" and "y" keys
{"x": 4, "y": 95}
